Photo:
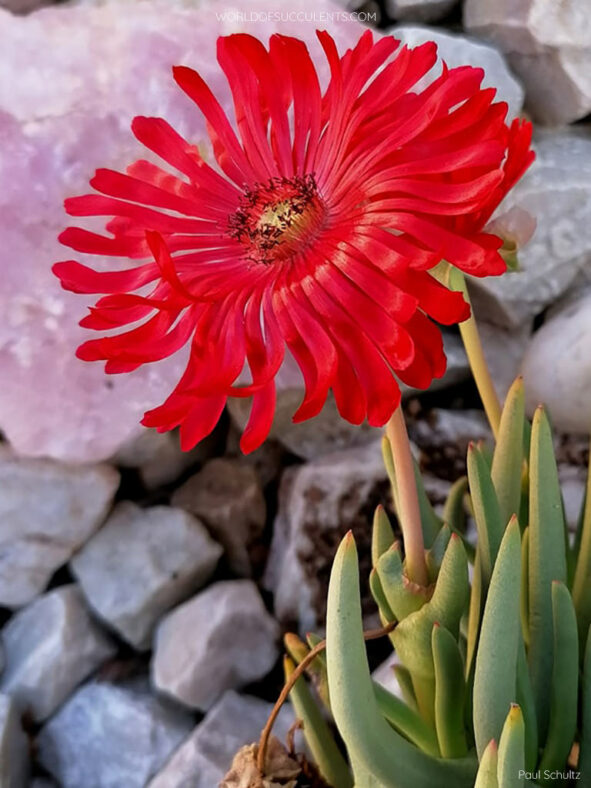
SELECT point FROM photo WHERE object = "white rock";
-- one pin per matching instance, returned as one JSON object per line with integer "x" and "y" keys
{"x": 206, "y": 755}
{"x": 142, "y": 563}
{"x": 51, "y": 646}
{"x": 14, "y": 746}
{"x": 80, "y": 84}
{"x": 318, "y": 503}
{"x": 111, "y": 737}
{"x": 557, "y": 366}
{"x": 419, "y": 10}
{"x": 461, "y": 50}
{"x": 557, "y": 193}
{"x": 47, "y": 511}
{"x": 547, "y": 44}
{"x": 221, "y": 639}
{"x": 226, "y": 494}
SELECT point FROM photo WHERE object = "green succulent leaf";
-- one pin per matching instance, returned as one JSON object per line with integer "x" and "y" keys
{"x": 450, "y": 692}
{"x": 495, "y": 675}
{"x": 404, "y": 680}
{"x": 454, "y": 512}
{"x": 487, "y": 514}
{"x": 525, "y": 586}
{"x": 508, "y": 455}
{"x": 582, "y": 581}
{"x": 511, "y": 758}
{"x": 382, "y": 535}
{"x": 547, "y": 561}
{"x": 402, "y": 596}
{"x": 434, "y": 556}
{"x": 412, "y": 636}
{"x": 565, "y": 681}
{"x": 474, "y": 614}
{"x": 585, "y": 753}
{"x": 324, "y": 749}
{"x": 406, "y": 720}
{"x": 487, "y": 771}
{"x": 376, "y": 751}
{"x": 377, "y": 592}
{"x": 526, "y": 701}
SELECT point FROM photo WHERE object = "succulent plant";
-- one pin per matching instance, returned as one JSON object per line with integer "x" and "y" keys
{"x": 495, "y": 671}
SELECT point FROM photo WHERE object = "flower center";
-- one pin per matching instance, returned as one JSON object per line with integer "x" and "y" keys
{"x": 278, "y": 219}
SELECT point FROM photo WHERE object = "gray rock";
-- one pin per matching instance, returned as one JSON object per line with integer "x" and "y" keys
{"x": 51, "y": 646}
{"x": 226, "y": 494}
{"x": 557, "y": 366}
{"x": 221, "y": 639}
{"x": 206, "y": 755}
{"x": 14, "y": 747}
{"x": 42, "y": 782}
{"x": 318, "y": 503}
{"x": 461, "y": 50}
{"x": 158, "y": 456}
{"x": 443, "y": 427}
{"x": 141, "y": 563}
{"x": 107, "y": 736}
{"x": 557, "y": 192}
{"x": 47, "y": 511}
{"x": 547, "y": 44}
{"x": 573, "y": 481}
{"x": 419, "y": 10}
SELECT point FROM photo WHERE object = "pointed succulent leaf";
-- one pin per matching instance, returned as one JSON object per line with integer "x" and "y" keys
{"x": 450, "y": 692}
{"x": 525, "y": 586}
{"x": 412, "y": 636}
{"x": 511, "y": 758}
{"x": 430, "y": 520}
{"x": 406, "y": 721}
{"x": 547, "y": 561}
{"x": 508, "y": 454}
{"x": 402, "y": 595}
{"x": 474, "y": 614}
{"x": 404, "y": 680}
{"x": 454, "y": 512}
{"x": 565, "y": 681}
{"x": 526, "y": 701}
{"x": 495, "y": 674}
{"x": 582, "y": 581}
{"x": 434, "y": 556}
{"x": 487, "y": 514}
{"x": 382, "y": 535}
{"x": 487, "y": 771}
{"x": 320, "y": 741}
{"x": 375, "y": 749}
{"x": 377, "y": 592}
{"x": 584, "y": 764}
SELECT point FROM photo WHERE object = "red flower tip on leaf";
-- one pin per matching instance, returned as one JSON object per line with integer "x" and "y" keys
{"x": 312, "y": 229}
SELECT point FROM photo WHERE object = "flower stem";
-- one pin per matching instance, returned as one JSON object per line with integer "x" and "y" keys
{"x": 371, "y": 634}
{"x": 409, "y": 513}
{"x": 476, "y": 358}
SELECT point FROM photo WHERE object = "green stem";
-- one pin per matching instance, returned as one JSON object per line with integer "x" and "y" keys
{"x": 407, "y": 500}
{"x": 475, "y": 353}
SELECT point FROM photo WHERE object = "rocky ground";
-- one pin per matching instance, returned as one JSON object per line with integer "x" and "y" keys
{"x": 143, "y": 592}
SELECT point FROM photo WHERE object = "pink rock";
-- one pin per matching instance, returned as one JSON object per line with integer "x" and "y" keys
{"x": 73, "y": 79}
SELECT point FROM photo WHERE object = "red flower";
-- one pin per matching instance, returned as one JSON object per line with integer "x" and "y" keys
{"x": 315, "y": 231}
